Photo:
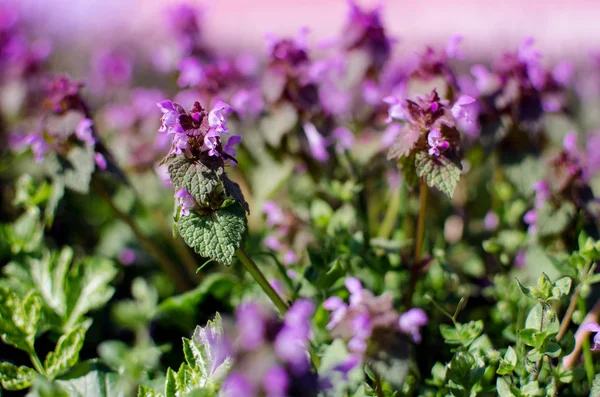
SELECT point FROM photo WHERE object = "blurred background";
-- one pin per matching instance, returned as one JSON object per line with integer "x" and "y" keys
{"x": 565, "y": 29}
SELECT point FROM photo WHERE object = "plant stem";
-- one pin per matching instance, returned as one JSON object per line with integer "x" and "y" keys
{"x": 165, "y": 263}
{"x": 362, "y": 201}
{"x": 387, "y": 225}
{"x": 423, "y": 190}
{"x": 588, "y": 361}
{"x": 538, "y": 366}
{"x": 378, "y": 386}
{"x": 37, "y": 364}
{"x": 564, "y": 325}
{"x": 259, "y": 277}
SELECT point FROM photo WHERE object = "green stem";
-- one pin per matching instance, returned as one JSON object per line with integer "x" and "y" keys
{"x": 37, "y": 364}
{"x": 169, "y": 267}
{"x": 538, "y": 367}
{"x": 423, "y": 190}
{"x": 588, "y": 360}
{"x": 378, "y": 386}
{"x": 387, "y": 225}
{"x": 362, "y": 201}
{"x": 259, "y": 277}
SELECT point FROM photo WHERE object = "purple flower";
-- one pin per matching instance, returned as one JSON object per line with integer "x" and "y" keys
{"x": 191, "y": 73}
{"x": 39, "y": 147}
{"x": 84, "y": 132}
{"x": 530, "y": 217}
{"x": 563, "y": 73}
{"x": 436, "y": 142}
{"x": 542, "y": 193}
{"x": 238, "y": 385}
{"x": 251, "y": 325}
{"x": 491, "y": 221}
{"x": 276, "y": 382}
{"x": 289, "y": 257}
{"x": 229, "y": 146}
{"x": 397, "y": 110}
{"x": 465, "y": 108}
{"x": 248, "y": 104}
{"x": 186, "y": 201}
{"x": 272, "y": 243}
{"x": 170, "y": 118}
{"x": 318, "y": 144}
{"x": 217, "y": 117}
{"x": 486, "y": 82}
{"x": 452, "y": 48}
{"x": 100, "y": 161}
{"x": 410, "y": 322}
{"x": 211, "y": 143}
{"x": 274, "y": 213}
{"x": 112, "y": 68}
{"x": 527, "y": 53}
{"x": 570, "y": 142}
{"x": 127, "y": 256}
{"x": 593, "y": 327}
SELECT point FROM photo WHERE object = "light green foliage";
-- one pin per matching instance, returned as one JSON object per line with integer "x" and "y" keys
{"x": 73, "y": 171}
{"x": 197, "y": 179}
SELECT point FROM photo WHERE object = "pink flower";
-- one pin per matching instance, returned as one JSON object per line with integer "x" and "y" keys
{"x": 593, "y": 327}
{"x": 316, "y": 142}
{"x": 465, "y": 108}
{"x": 436, "y": 142}
{"x": 217, "y": 117}
{"x": 186, "y": 201}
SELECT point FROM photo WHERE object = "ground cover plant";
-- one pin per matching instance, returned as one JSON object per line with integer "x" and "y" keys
{"x": 313, "y": 220}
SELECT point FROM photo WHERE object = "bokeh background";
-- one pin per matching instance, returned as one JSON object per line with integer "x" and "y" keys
{"x": 561, "y": 28}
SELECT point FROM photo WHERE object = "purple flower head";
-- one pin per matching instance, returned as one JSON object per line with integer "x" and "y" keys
{"x": 274, "y": 213}
{"x": 397, "y": 109}
{"x": 410, "y": 322}
{"x": 170, "y": 118}
{"x": 272, "y": 243}
{"x": 211, "y": 143}
{"x": 570, "y": 142}
{"x": 100, "y": 161}
{"x": 344, "y": 138}
{"x": 542, "y": 193}
{"x": 530, "y": 217}
{"x": 229, "y": 147}
{"x": 593, "y": 327}
{"x": 38, "y": 145}
{"x": 316, "y": 142}
{"x": 217, "y": 118}
{"x": 486, "y": 82}
{"x": 111, "y": 68}
{"x": 290, "y": 257}
{"x": 62, "y": 94}
{"x": 563, "y": 73}
{"x": 182, "y": 20}
{"x": 237, "y": 385}
{"x": 127, "y": 256}
{"x": 465, "y": 108}
{"x": 291, "y": 51}
{"x": 251, "y": 325}
{"x": 248, "y": 104}
{"x": 85, "y": 133}
{"x": 276, "y": 382}
{"x": 527, "y": 53}
{"x": 191, "y": 72}
{"x": 436, "y": 142}
{"x": 291, "y": 347}
{"x": 364, "y": 30}
{"x": 453, "y": 47}
{"x": 186, "y": 201}
{"x": 491, "y": 221}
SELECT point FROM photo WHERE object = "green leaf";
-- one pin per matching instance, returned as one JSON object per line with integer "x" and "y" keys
{"x": 87, "y": 288}
{"x": 147, "y": 392}
{"x": 171, "y": 384}
{"x": 202, "y": 352}
{"x": 438, "y": 171}
{"x": 534, "y": 319}
{"x": 553, "y": 350}
{"x": 96, "y": 383}
{"x": 66, "y": 353}
{"x": 503, "y": 387}
{"x": 233, "y": 189}
{"x": 182, "y": 309}
{"x": 48, "y": 274}
{"x": 196, "y": 178}
{"x": 15, "y": 378}
{"x": 527, "y": 336}
{"x": 216, "y": 235}
{"x": 561, "y": 287}
{"x": 552, "y": 221}
{"x": 75, "y": 170}
{"x": 508, "y": 363}
{"x": 391, "y": 361}
{"x": 523, "y": 171}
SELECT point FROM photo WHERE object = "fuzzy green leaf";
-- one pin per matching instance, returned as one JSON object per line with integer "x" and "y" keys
{"x": 551, "y": 221}
{"x": 197, "y": 179}
{"x": 66, "y": 353}
{"x": 96, "y": 383}
{"x": 217, "y": 235}
{"x": 233, "y": 189}
{"x": 438, "y": 171}
{"x": 15, "y": 378}
{"x": 75, "y": 170}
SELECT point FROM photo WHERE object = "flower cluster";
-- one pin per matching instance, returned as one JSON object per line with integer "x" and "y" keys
{"x": 270, "y": 356}
{"x": 369, "y": 320}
